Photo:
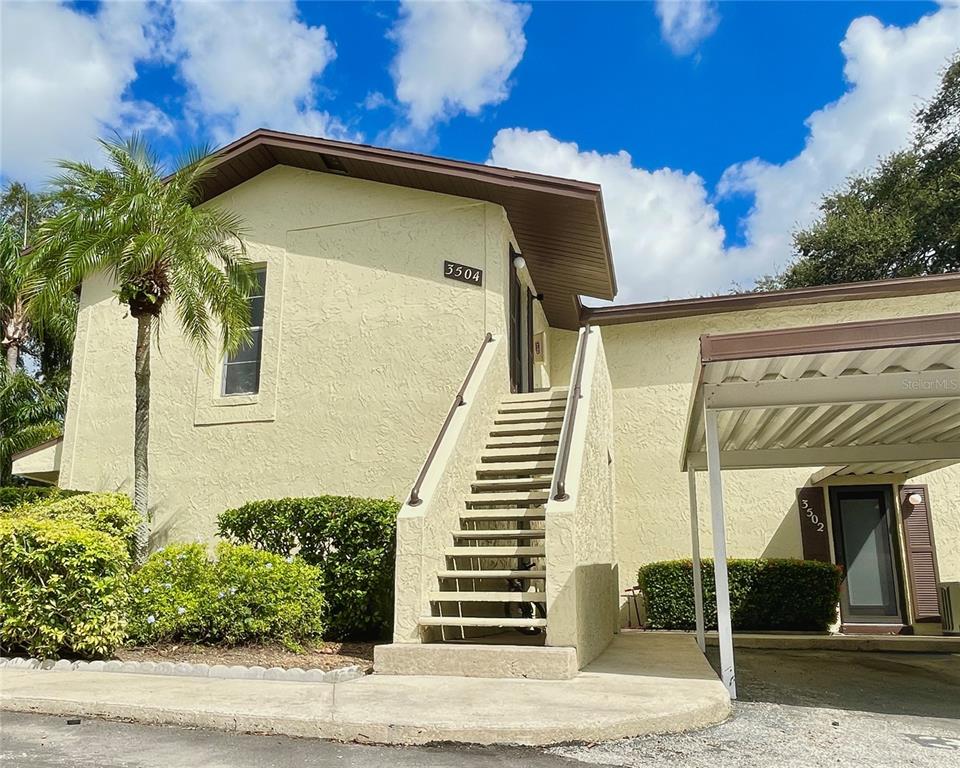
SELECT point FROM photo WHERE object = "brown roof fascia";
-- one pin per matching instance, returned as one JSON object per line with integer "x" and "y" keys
{"x": 739, "y": 302}
{"x": 825, "y": 339}
{"x": 476, "y": 171}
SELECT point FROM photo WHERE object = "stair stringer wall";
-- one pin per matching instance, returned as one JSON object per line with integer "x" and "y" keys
{"x": 582, "y": 577}
{"x": 423, "y": 531}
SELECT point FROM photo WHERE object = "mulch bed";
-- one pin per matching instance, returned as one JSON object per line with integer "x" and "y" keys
{"x": 325, "y": 656}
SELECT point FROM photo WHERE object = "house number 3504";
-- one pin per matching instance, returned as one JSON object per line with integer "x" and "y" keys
{"x": 812, "y": 516}
{"x": 462, "y": 273}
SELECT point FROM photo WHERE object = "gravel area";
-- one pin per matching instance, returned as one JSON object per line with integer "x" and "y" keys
{"x": 326, "y": 656}
{"x": 806, "y": 709}
{"x": 783, "y": 736}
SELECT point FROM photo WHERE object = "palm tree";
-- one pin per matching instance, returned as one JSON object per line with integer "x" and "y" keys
{"x": 143, "y": 228}
{"x": 31, "y": 402}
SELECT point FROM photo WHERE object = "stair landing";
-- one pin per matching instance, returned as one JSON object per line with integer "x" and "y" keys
{"x": 487, "y": 659}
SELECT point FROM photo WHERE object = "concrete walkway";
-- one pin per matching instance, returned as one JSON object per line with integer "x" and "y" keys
{"x": 641, "y": 684}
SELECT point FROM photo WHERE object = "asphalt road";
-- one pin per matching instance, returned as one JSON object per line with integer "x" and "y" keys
{"x": 34, "y": 741}
{"x": 796, "y": 710}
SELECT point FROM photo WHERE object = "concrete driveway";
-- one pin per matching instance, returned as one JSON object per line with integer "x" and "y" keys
{"x": 798, "y": 709}
{"x": 805, "y": 709}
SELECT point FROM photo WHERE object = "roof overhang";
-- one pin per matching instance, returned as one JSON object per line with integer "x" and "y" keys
{"x": 860, "y": 398}
{"x": 559, "y": 224}
{"x": 674, "y": 309}
{"x": 40, "y": 463}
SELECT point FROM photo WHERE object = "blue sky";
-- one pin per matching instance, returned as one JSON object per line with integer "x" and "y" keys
{"x": 713, "y": 127}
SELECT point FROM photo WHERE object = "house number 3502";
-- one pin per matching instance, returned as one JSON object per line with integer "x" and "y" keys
{"x": 463, "y": 273}
{"x": 812, "y": 516}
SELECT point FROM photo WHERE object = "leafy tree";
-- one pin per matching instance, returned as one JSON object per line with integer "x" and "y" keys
{"x": 901, "y": 220}
{"x": 23, "y": 210}
{"x": 32, "y": 401}
{"x": 142, "y": 228}
{"x": 31, "y": 411}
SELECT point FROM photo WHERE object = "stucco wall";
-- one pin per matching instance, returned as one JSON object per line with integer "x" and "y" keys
{"x": 365, "y": 345}
{"x": 424, "y": 531}
{"x": 651, "y": 369}
{"x": 582, "y": 579}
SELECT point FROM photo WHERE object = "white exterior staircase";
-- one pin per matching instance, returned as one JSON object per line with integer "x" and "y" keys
{"x": 500, "y": 538}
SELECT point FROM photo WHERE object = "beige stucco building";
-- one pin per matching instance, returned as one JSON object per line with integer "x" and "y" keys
{"x": 394, "y": 282}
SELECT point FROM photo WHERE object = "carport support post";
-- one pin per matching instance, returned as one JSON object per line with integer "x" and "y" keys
{"x": 695, "y": 541}
{"x": 727, "y": 672}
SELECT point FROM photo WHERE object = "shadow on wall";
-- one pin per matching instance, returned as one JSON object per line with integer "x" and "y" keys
{"x": 585, "y": 612}
{"x": 787, "y": 540}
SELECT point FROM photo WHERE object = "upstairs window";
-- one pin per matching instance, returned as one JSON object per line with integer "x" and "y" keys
{"x": 241, "y": 370}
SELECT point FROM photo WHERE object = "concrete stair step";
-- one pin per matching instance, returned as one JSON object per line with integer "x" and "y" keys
{"x": 549, "y": 440}
{"x": 529, "y": 418}
{"x": 549, "y": 407}
{"x": 543, "y": 395}
{"x": 500, "y": 533}
{"x": 533, "y": 428}
{"x": 514, "y": 468}
{"x": 518, "y": 513}
{"x": 481, "y": 551}
{"x": 488, "y": 597}
{"x": 511, "y": 455}
{"x": 511, "y": 484}
{"x": 507, "y": 499}
{"x": 479, "y": 621}
{"x": 493, "y": 574}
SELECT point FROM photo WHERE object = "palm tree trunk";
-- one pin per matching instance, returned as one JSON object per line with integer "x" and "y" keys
{"x": 141, "y": 435}
{"x": 6, "y": 461}
{"x": 13, "y": 356}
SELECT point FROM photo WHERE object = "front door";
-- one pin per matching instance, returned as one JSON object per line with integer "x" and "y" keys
{"x": 863, "y": 539}
{"x": 521, "y": 333}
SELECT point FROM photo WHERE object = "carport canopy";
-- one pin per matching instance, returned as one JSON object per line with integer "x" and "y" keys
{"x": 864, "y": 398}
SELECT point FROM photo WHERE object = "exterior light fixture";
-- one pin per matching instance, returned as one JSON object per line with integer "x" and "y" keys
{"x": 520, "y": 263}
{"x": 915, "y": 499}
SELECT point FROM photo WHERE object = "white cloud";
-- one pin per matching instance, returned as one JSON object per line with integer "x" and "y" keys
{"x": 890, "y": 70}
{"x": 64, "y": 82}
{"x": 685, "y": 23}
{"x": 454, "y": 57}
{"x": 249, "y": 65}
{"x": 666, "y": 236}
{"x": 665, "y": 231}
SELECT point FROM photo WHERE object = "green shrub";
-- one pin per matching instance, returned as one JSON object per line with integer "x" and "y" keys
{"x": 12, "y": 496}
{"x": 62, "y": 588}
{"x": 351, "y": 540}
{"x": 171, "y": 595}
{"x": 764, "y": 594}
{"x": 263, "y": 596}
{"x": 245, "y": 595}
{"x": 110, "y": 513}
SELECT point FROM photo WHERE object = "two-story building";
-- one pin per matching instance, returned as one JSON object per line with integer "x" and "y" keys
{"x": 394, "y": 283}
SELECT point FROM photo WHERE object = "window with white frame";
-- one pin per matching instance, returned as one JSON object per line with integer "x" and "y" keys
{"x": 241, "y": 370}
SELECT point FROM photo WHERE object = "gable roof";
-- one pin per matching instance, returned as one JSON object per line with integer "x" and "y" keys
{"x": 559, "y": 224}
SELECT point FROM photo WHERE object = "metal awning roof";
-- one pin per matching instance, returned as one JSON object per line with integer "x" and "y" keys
{"x": 857, "y": 398}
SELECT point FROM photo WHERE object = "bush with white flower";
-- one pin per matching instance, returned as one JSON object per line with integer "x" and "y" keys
{"x": 244, "y": 595}
{"x": 168, "y": 595}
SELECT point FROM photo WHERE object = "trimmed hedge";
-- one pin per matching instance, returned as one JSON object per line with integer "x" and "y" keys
{"x": 110, "y": 513}
{"x": 245, "y": 595}
{"x": 63, "y": 588}
{"x": 352, "y": 541}
{"x": 12, "y": 496}
{"x": 764, "y": 594}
